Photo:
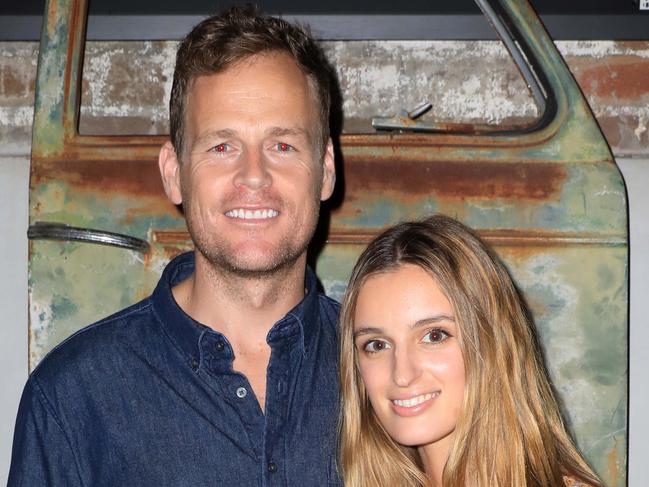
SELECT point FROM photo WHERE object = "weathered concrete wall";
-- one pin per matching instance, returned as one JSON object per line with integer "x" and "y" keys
{"x": 17, "y": 79}
{"x": 126, "y": 85}
{"x": 614, "y": 76}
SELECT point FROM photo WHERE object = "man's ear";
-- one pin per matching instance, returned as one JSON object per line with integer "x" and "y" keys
{"x": 169, "y": 166}
{"x": 329, "y": 172}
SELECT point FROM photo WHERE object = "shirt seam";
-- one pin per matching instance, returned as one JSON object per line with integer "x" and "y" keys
{"x": 45, "y": 402}
{"x": 175, "y": 345}
{"x": 302, "y": 332}
{"x": 123, "y": 314}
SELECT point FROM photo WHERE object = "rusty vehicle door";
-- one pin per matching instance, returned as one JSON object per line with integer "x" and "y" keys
{"x": 548, "y": 196}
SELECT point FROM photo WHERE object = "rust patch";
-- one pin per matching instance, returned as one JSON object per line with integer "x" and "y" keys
{"x": 75, "y": 45}
{"x": 488, "y": 180}
{"x": 12, "y": 84}
{"x": 523, "y": 242}
{"x": 124, "y": 177}
{"x": 618, "y": 78}
{"x": 612, "y": 129}
{"x": 172, "y": 242}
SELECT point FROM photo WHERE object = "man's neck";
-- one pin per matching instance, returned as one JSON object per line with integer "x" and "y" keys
{"x": 244, "y": 308}
{"x": 240, "y": 305}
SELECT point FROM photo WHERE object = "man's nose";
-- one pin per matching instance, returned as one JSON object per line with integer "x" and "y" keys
{"x": 405, "y": 368}
{"x": 253, "y": 170}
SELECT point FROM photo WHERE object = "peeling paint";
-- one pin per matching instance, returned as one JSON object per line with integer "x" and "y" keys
{"x": 640, "y": 129}
{"x": 603, "y": 49}
{"x": 21, "y": 116}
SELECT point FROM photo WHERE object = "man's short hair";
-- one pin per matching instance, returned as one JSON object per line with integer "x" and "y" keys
{"x": 221, "y": 41}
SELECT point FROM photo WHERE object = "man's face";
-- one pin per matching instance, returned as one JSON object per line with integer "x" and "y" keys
{"x": 252, "y": 175}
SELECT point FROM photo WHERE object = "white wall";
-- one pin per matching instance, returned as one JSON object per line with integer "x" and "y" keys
{"x": 13, "y": 303}
{"x": 14, "y": 177}
{"x": 636, "y": 176}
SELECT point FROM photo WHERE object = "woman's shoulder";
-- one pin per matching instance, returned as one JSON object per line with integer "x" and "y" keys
{"x": 572, "y": 482}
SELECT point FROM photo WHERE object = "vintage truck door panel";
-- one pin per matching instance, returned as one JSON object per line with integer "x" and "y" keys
{"x": 548, "y": 196}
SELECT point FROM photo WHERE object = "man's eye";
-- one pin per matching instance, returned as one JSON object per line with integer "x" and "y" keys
{"x": 436, "y": 336}
{"x": 374, "y": 346}
{"x": 283, "y": 147}
{"x": 221, "y": 148}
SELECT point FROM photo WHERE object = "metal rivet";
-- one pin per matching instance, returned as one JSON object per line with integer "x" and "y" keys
{"x": 272, "y": 468}
{"x": 219, "y": 346}
{"x": 242, "y": 392}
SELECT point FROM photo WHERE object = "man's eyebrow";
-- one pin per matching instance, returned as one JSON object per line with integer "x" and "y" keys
{"x": 284, "y": 131}
{"x": 229, "y": 133}
{"x": 213, "y": 134}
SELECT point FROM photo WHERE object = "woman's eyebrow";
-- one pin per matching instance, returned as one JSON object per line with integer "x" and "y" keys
{"x": 367, "y": 330}
{"x": 433, "y": 319}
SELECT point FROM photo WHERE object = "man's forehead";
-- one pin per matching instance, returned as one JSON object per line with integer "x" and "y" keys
{"x": 276, "y": 59}
{"x": 277, "y": 89}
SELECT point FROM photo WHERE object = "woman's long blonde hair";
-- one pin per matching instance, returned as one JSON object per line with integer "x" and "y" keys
{"x": 510, "y": 432}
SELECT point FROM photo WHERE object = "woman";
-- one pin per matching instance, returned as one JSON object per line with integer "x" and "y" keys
{"x": 442, "y": 379}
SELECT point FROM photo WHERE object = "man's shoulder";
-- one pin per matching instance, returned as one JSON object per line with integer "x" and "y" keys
{"x": 96, "y": 342}
{"x": 329, "y": 309}
{"x": 328, "y": 303}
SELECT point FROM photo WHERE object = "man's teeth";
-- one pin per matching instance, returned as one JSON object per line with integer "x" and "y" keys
{"x": 413, "y": 401}
{"x": 251, "y": 214}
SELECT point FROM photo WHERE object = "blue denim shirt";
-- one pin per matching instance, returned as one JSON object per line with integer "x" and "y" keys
{"x": 148, "y": 397}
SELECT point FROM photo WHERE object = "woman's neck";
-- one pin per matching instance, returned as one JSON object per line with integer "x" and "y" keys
{"x": 434, "y": 457}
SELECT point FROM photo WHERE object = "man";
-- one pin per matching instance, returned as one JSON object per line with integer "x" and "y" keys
{"x": 226, "y": 375}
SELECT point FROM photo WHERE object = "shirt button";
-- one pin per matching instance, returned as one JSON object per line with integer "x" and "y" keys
{"x": 219, "y": 346}
{"x": 272, "y": 468}
{"x": 242, "y": 392}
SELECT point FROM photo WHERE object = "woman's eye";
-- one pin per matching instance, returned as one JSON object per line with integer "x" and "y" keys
{"x": 374, "y": 346}
{"x": 435, "y": 336}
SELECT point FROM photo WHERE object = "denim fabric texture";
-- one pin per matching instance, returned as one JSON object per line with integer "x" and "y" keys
{"x": 148, "y": 397}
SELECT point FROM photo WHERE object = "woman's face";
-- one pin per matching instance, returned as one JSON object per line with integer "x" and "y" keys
{"x": 406, "y": 339}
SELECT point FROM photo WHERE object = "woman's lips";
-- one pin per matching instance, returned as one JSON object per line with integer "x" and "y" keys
{"x": 414, "y": 405}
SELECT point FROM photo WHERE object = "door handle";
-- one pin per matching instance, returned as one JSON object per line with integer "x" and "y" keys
{"x": 64, "y": 232}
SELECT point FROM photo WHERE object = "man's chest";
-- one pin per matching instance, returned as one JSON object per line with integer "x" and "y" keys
{"x": 206, "y": 427}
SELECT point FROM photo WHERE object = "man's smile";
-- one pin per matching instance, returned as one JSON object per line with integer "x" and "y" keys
{"x": 256, "y": 214}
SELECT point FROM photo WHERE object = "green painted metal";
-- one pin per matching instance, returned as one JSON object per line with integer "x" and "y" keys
{"x": 549, "y": 198}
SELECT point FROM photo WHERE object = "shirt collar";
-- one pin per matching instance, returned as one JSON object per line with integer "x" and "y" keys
{"x": 186, "y": 332}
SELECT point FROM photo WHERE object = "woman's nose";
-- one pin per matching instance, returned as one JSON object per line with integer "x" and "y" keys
{"x": 405, "y": 368}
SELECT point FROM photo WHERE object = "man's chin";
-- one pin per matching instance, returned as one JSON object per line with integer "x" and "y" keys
{"x": 253, "y": 264}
